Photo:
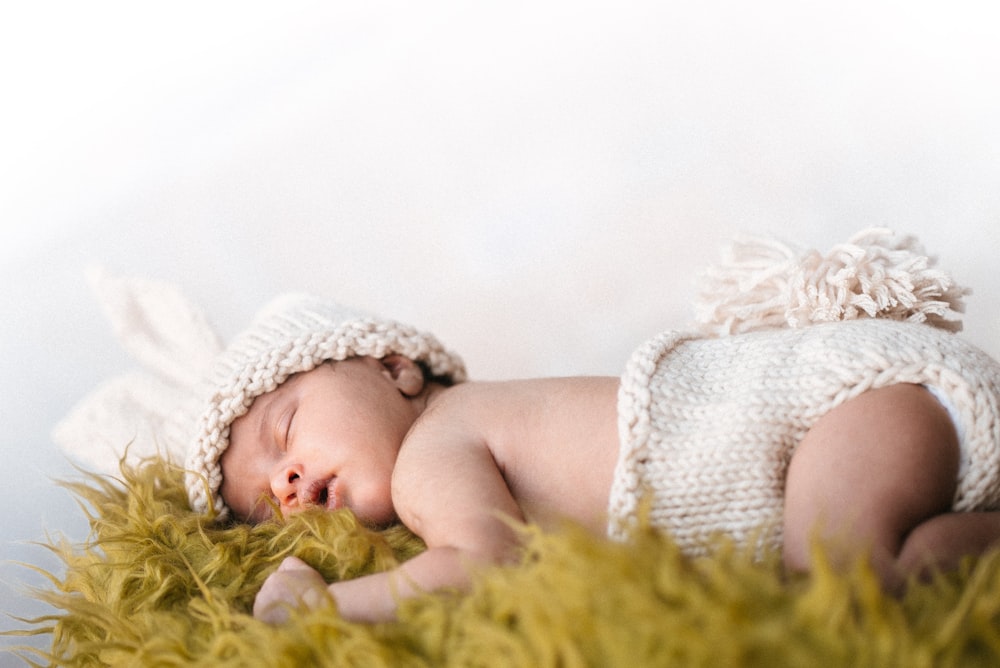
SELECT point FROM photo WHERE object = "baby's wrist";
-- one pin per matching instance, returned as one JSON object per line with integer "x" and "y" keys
{"x": 329, "y": 595}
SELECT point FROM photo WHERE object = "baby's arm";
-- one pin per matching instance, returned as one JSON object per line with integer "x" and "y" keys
{"x": 371, "y": 598}
{"x": 454, "y": 496}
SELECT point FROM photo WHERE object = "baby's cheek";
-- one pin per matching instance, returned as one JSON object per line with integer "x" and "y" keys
{"x": 247, "y": 504}
{"x": 375, "y": 507}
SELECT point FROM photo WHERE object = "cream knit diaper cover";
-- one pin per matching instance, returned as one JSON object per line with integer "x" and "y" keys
{"x": 709, "y": 425}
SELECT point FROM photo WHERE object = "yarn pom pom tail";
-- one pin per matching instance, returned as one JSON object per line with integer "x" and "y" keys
{"x": 766, "y": 284}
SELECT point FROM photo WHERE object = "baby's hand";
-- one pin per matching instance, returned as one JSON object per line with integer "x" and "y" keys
{"x": 294, "y": 584}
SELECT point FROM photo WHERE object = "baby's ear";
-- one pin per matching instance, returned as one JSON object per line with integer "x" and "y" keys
{"x": 406, "y": 373}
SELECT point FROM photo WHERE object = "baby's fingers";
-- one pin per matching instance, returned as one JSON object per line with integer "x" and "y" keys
{"x": 294, "y": 585}
{"x": 271, "y": 605}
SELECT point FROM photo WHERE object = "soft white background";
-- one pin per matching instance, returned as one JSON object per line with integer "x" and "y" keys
{"x": 535, "y": 182}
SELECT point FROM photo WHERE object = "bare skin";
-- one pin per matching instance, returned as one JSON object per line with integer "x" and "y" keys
{"x": 455, "y": 465}
{"x": 483, "y": 454}
{"x": 878, "y": 475}
{"x": 466, "y": 460}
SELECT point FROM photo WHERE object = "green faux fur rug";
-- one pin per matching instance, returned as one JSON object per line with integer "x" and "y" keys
{"x": 156, "y": 585}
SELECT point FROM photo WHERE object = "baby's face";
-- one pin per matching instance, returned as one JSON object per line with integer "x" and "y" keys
{"x": 327, "y": 437}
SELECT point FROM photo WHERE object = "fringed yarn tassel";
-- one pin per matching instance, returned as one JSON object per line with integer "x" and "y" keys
{"x": 767, "y": 284}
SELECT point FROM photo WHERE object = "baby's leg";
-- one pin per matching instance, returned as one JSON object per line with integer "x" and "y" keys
{"x": 942, "y": 541}
{"x": 878, "y": 473}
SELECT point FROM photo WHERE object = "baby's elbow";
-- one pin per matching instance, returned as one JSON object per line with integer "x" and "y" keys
{"x": 500, "y": 539}
{"x": 479, "y": 536}
{"x": 496, "y": 547}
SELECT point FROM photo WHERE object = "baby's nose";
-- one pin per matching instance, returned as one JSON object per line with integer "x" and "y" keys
{"x": 286, "y": 486}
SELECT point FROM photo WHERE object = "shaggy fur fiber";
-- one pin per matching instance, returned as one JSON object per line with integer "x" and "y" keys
{"x": 157, "y": 585}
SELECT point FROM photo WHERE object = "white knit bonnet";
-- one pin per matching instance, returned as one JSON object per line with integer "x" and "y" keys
{"x": 292, "y": 334}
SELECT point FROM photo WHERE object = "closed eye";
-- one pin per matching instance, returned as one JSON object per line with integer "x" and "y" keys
{"x": 283, "y": 428}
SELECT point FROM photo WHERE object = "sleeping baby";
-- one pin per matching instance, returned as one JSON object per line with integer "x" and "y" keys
{"x": 875, "y": 430}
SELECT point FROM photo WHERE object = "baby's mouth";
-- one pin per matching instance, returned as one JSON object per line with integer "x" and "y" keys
{"x": 322, "y": 493}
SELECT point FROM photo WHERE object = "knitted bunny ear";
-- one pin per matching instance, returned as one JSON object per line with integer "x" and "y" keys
{"x": 763, "y": 283}
{"x": 130, "y": 417}
{"x": 157, "y": 325}
{"x": 150, "y": 411}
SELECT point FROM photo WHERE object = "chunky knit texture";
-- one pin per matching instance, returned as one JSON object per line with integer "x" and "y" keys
{"x": 292, "y": 334}
{"x": 708, "y": 425}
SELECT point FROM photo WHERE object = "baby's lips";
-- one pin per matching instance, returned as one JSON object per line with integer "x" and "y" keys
{"x": 333, "y": 500}
{"x": 315, "y": 493}
{"x": 323, "y": 494}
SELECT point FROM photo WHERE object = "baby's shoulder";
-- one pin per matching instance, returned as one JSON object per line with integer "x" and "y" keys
{"x": 471, "y": 413}
{"x": 454, "y": 434}
{"x": 462, "y": 409}
{"x": 508, "y": 414}
{"x": 495, "y": 403}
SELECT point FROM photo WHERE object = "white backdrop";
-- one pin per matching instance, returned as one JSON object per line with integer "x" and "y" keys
{"x": 535, "y": 182}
